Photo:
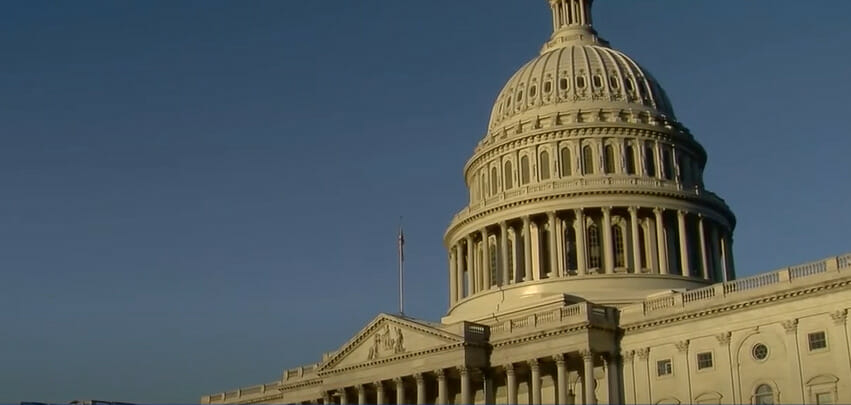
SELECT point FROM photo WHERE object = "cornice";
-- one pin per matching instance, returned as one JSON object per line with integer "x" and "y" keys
{"x": 722, "y": 209}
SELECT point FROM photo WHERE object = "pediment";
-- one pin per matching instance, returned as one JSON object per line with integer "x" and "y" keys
{"x": 388, "y": 337}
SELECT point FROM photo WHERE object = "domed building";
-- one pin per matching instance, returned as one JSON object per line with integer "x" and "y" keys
{"x": 591, "y": 265}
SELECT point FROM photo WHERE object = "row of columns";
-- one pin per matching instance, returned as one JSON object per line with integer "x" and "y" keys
{"x": 697, "y": 243}
{"x": 466, "y": 390}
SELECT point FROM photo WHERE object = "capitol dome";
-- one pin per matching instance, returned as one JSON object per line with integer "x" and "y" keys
{"x": 584, "y": 187}
{"x": 578, "y": 76}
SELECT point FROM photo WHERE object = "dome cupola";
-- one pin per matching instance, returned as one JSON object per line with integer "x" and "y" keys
{"x": 584, "y": 185}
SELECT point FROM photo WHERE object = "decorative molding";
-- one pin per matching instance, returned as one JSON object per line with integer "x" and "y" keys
{"x": 509, "y": 368}
{"x": 791, "y": 326}
{"x": 839, "y": 317}
{"x": 559, "y": 358}
{"x": 534, "y": 365}
{"x": 724, "y": 338}
{"x": 587, "y": 355}
{"x": 643, "y": 353}
{"x": 440, "y": 373}
{"x": 628, "y": 356}
{"x": 419, "y": 378}
{"x": 682, "y": 346}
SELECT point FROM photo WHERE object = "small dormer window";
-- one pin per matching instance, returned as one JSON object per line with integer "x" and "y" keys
{"x": 533, "y": 91}
{"x": 580, "y": 82}
{"x": 613, "y": 80}
{"x": 629, "y": 85}
{"x": 563, "y": 84}
{"x": 548, "y": 87}
{"x": 598, "y": 81}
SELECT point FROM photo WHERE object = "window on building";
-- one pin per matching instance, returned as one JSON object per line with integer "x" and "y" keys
{"x": 667, "y": 164}
{"x": 817, "y": 340}
{"x": 524, "y": 170}
{"x": 594, "y": 247}
{"x": 763, "y": 395}
{"x": 494, "y": 266}
{"x": 483, "y": 184}
{"x": 563, "y": 83}
{"x": 545, "y": 165}
{"x": 630, "y": 159}
{"x": 570, "y": 247}
{"x": 494, "y": 182}
{"x": 649, "y": 160}
{"x": 507, "y": 176}
{"x": 620, "y": 252}
{"x": 664, "y": 367}
{"x": 587, "y": 160}
{"x": 759, "y": 351}
{"x": 824, "y": 398}
{"x": 609, "y": 159}
{"x": 565, "y": 162}
{"x": 704, "y": 360}
{"x": 642, "y": 249}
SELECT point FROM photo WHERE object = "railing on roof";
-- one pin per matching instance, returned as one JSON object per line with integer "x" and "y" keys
{"x": 781, "y": 277}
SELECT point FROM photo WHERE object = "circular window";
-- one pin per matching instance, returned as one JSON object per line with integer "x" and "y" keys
{"x": 759, "y": 351}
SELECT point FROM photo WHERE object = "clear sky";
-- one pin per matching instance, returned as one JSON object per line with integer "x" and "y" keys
{"x": 197, "y": 195}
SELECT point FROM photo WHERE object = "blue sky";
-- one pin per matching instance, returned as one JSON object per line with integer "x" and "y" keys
{"x": 200, "y": 194}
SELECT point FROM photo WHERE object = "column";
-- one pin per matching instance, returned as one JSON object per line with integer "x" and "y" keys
{"x": 610, "y": 365}
{"x": 421, "y": 388}
{"x": 588, "y": 378}
{"x": 714, "y": 242}
{"x": 488, "y": 389}
{"x": 326, "y": 398}
{"x": 361, "y": 395}
{"x": 503, "y": 252}
{"x": 636, "y": 246}
{"x": 793, "y": 395}
{"x": 724, "y": 253}
{"x": 453, "y": 279}
{"x": 442, "y": 393}
{"x": 471, "y": 270}
{"x": 704, "y": 258}
{"x": 608, "y": 246}
{"x": 536, "y": 381}
{"x": 579, "y": 229}
{"x": 466, "y": 398}
{"x": 661, "y": 244}
{"x": 561, "y": 375}
{"x": 511, "y": 382}
{"x": 379, "y": 393}
{"x": 459, "y": 266}
{"x": 553, "y": 249}
{"x": 344, "y": 397}
{"x": 400, "y": 390}
{"x": 527, "y": 249}
{"x": 684, "y": 259}
{"x": 486, "y": 261}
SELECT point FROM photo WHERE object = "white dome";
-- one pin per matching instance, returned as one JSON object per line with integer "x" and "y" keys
{"x": 578, "y": 76}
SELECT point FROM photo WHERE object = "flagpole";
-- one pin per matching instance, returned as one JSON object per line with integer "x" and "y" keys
{"x": 401, "y": 269}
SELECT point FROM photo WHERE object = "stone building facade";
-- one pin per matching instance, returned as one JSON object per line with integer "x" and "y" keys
{"x": 591, "y": 265}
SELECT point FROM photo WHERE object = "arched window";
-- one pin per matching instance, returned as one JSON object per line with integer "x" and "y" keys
{"x": 763, "y": 395}
{"x": 570, "y": 247}
{"x": 684, "y": 169}
{"x": 667, "y": 164}
{"x": 649, "y": 160}
{"x": 483, "y": 185}
{"x": 507, "y": 176}
{"x": 620, "y": 253}
{"x": 565, "y": 162}
{"x": 630, "y": 159}
{"x": 642, "y": 251}
{"x": 524, "y": 170}
{"x": 494, "y": 182}
{"x": 609, "y": 159}
{"x": 545, "y": 165}
{"x": 594, "y": 251}
{"x": 587, "y": 160}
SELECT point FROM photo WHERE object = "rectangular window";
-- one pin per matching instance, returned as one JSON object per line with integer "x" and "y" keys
{"x": 704, "y": 360}
{"x": 664, "y": 367}
{"x": 824, "y": 398}
{"x": 817, "y": 340}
